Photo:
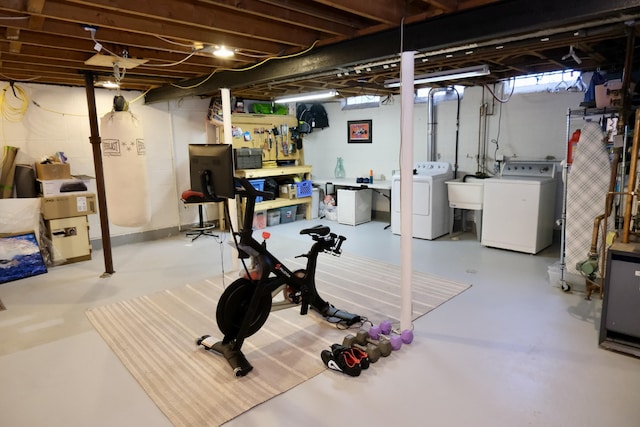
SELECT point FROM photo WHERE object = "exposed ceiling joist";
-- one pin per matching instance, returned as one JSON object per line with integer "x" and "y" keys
{"x": 45, "y": 41}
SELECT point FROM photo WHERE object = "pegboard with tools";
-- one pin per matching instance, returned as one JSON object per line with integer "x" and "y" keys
{"x": 270, "y": 133}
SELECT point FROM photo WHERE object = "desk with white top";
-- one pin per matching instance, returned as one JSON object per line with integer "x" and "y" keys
{"x": 352, "y": 184}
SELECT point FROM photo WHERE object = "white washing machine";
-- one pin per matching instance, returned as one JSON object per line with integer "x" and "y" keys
{"x": 430, "y": 204}
{"x": 518, "y": 207}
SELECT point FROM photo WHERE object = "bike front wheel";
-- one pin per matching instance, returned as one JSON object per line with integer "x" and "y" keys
{"x": 233, "y": 306}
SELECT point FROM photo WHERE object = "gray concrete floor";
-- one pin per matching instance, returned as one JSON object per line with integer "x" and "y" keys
{"x": 511, "y": 351}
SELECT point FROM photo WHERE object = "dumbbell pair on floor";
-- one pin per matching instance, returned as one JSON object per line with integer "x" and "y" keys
{"x": 379, "y": 340}
{"x": 385, "y": 331}
{"x": 357, "y": 351}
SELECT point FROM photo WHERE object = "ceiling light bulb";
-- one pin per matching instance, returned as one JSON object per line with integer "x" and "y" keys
{"x": 223, "y": 52}
{"x": 109, "y": 85}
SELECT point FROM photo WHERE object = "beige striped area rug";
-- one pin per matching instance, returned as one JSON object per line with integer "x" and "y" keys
{"x": 154, "y": 337}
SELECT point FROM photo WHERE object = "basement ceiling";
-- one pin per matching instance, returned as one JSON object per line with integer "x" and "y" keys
{"x": 282, "y": 47}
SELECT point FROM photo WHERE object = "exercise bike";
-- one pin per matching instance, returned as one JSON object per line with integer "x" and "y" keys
{"x": 245, "y": 304}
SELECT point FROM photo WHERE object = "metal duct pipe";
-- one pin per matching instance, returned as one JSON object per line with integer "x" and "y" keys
{"x": 431, "y": 124}
{"x": 482, "y": 141}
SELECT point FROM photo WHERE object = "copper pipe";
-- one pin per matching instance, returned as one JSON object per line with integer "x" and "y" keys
{"x": 608, "y": 208}
{"x": 626, "y": 78}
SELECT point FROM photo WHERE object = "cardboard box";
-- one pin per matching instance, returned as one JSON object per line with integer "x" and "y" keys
{"x": 610, "y": 94}
{"x": 49, "y": 171}
{"x": 68, "y": 206}
{"x": 57, "y": 187}
{"x": 289, "y": 191}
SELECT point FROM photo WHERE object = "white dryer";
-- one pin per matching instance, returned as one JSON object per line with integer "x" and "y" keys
{"x": 519, "y": 206}
{"x": 430, "y": 204}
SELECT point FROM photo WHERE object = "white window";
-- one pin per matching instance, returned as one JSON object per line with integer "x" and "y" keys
{"x": 450, "y": 94}
{"x": 362, "y": 101}
{"x": 549, "y": 82}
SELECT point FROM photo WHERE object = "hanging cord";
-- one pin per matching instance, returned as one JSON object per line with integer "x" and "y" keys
{"x": 496, "y": 141}
{"x": 247, "y": 68}
{"x": 502, "y": 101}
{"x": 14, "y": 113}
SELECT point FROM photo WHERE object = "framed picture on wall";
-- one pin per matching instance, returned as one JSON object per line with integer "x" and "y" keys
{"x": 359, "y": 131}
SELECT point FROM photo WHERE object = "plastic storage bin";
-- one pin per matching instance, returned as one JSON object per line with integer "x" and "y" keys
{"x": 273, "y": 217}
{"x": 287, "y": 214}
{"x": 555, "y": 274}
{"x": 304, "y": 189}
{"x": 258, "y": 184}
{"x": 259, "y": 220}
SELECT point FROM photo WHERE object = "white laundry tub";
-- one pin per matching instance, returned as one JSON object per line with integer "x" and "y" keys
{"x": 466, "y": 195}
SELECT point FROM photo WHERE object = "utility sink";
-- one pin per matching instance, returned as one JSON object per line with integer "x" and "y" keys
{"x": 467, "y": 194}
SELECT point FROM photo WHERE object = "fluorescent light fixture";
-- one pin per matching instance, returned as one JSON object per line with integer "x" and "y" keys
{"x": 108, "y": 84}
{"x": 439, "y": 76}
{"x": 308, "y": 96}
{"x": 222, "y": 52}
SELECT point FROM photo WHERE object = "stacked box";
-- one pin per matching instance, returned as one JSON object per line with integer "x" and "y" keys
{"x": 289, "y": 191}
{"x": 55, "y": 187}
{"x": 68, "y": 206}
{"x": 48, "y": 171}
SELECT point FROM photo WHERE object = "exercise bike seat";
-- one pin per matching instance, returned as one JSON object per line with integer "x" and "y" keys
{"x": 320, "y": 230}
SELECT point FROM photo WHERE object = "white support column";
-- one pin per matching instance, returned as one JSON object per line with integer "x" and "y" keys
{"x": 406, "y": 187}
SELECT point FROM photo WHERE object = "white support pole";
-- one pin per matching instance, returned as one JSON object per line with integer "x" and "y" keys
{"x": 406, "y": 187}
{"x": 228, "y": 139}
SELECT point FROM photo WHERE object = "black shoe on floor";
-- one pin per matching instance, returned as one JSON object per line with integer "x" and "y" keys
{"x": 341, "y": 361}
{"x": 361, "y": 356}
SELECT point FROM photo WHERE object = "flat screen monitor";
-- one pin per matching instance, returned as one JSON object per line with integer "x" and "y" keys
{"x": 218, "y": 160}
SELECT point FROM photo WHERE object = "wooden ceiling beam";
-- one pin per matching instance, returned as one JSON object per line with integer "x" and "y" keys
{"x": 447, "y": 6}
{"x": 61, "y": 72}
{"x": 290, "y": 16}
{"x": 135, "y": 15}
{"x": 310, "y": 8}
{"x": 64, "y": 63}
{"x": 83, "y": 49}
{"x": 35, "y": 6}
{"x": 143, "y": 36}
{"x": 388, "y": 12}
{"x": 509, "y": 20}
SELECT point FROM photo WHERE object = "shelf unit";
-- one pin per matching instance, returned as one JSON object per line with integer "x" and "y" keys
{"x": 260, "y": 128}
{"x": 281, "y": 172}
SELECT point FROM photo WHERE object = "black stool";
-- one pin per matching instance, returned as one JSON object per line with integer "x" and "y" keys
{"x": 190, "y": 197}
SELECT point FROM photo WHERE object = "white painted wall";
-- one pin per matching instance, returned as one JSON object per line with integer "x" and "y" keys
{"x": 56, "y": 119}
{"x": 532, "y": 125}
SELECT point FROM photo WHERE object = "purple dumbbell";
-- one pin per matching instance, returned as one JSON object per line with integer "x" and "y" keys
{"x": 376, "y": 333}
